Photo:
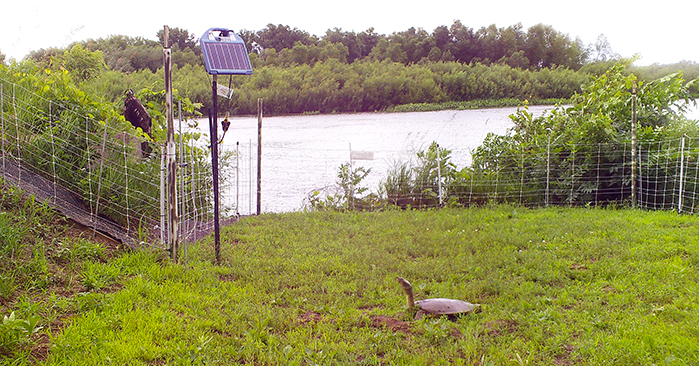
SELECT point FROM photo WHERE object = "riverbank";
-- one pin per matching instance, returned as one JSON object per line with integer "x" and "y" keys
{"x": 475, "y": 104}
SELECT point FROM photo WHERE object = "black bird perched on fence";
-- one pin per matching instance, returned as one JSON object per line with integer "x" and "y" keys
{"x": 135, "y": 113}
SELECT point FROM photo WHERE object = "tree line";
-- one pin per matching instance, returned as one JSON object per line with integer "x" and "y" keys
{"x": 342, "y": 71}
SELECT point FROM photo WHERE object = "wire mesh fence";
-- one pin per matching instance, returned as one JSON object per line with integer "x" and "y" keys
{"x": 102, "y": 165}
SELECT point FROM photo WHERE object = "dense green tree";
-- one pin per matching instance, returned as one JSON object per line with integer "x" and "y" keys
{"x": 389, "y": 51}
{"x": 44, "y": 56}
{"x": 251, "y": 40}
{"x": 442, "y": 37}
{"x": 358, "y": 45}
{"x": 82, "y": 63}
{"x": 180, "y": 40}
{"x": 546, "y": 47}
{"x": 281, "y": 36}
{"x": 369, "y": 39}
{"x": 493, "y": 47}
{"x": 414, "y": 45}
{"x": 127, "y": 54}
{"x": 349, "y": 39}
{"x": 464, "y": 44}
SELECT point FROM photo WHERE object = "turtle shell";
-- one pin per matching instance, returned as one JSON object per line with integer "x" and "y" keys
{"x": 445, "y": 306}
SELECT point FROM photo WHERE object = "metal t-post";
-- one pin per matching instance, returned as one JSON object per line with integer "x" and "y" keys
{"x": 170, "y": 151}
{"x": 213, "y": 128}
{"x": 633, "y": 145}
{"x": 259, "y": 156}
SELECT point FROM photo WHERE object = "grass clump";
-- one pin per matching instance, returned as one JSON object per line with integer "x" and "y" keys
{"x": 558, "y": 286}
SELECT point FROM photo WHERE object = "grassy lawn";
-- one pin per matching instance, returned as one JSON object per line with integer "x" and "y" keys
{"x": 557, "y": 286}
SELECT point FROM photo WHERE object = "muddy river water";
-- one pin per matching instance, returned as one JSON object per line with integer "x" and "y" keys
{"x": 303, "y": 153}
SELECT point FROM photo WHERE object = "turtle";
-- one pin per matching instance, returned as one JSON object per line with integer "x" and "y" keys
{"x": 438, "y": 306}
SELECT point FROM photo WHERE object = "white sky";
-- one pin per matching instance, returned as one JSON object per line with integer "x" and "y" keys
{"x": 661, "y": 32}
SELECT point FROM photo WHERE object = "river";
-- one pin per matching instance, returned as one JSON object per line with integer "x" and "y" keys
{"x": 303, "y": 153}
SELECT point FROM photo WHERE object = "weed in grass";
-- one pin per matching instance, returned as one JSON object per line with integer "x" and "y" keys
{"x": 11, "y": 236}
{"x": 14, "y": 331}
{"x": 7, "y": 286}
{"x": 198, "y": 355}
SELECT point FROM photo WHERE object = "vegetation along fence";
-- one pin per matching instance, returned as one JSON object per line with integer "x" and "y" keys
{"x": 593, "y": 175}
{"x": 62, "y": 150}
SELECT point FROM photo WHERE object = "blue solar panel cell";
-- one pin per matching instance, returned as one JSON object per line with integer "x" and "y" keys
{"x": 228, "y": 56}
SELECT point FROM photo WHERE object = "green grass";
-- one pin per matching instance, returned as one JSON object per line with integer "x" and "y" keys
{"x": 558, "y": 287}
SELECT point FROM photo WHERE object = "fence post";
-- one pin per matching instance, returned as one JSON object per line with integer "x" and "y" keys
{"x": 19, "y": 151}
{"x": 250, "y": 177}
{"x": 237, "y": 178}
{"x": 599, "y": 161}
{"x": 548, "y": 167}
{"x": 497, "y": 177}
{"x": 126, "y": 185}
{"x": 163, "y": 213}
{"x": 572, "y": 180}
{"x": 89, "y": 166}
{"x": 681, "y": 186}
{"x": 259, "y": 155}
{"x": 53, "y": 150}
{"x": 439, "y": 178}
{"x": 633, "y": 144}
{"x": 2, "y": 120}
{"x": 640, "y": 176}
{"x": 184, "y": 226}
{"x": 99, "y": 180}
{"x": 521, "y": 180}
{"x": 170, "y": 147}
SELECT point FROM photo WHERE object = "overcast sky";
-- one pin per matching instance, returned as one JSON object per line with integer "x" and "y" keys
{"x": 660, "y": 32}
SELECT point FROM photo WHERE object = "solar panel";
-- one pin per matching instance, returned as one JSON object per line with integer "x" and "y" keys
{"x": 224, "y": 53}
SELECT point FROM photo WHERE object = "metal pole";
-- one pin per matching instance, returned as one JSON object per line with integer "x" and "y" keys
{"x": 439, "y": 178}
{"x": 2, "y": 120}
{"x": 237, "y": 178}
{"x": 681, "y": 186}
{"x": 53, "y": 154}
{"x": 19, "y": 149}
{"x": 183, "y": 197}
{"x": 351, "y": 193}
{"x": 249, "y": 176}
{"x": 259, "y": 155}
{"x": 213, "y": 128}
{"x": 633, "y": 144}
{"x": 171, "y": 153}
{"x": 572, "y": 180}
{"x": 548, "y": 168}
{"x": 163, "y": 212}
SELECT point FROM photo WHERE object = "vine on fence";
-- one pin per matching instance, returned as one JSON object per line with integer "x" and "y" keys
{"x": 53, "y": 128}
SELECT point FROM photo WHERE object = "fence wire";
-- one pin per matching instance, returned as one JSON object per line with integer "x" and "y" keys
{"x": 97, "y": 171}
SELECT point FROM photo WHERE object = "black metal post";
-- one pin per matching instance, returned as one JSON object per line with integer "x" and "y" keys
{"x": 213, "y": 128}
